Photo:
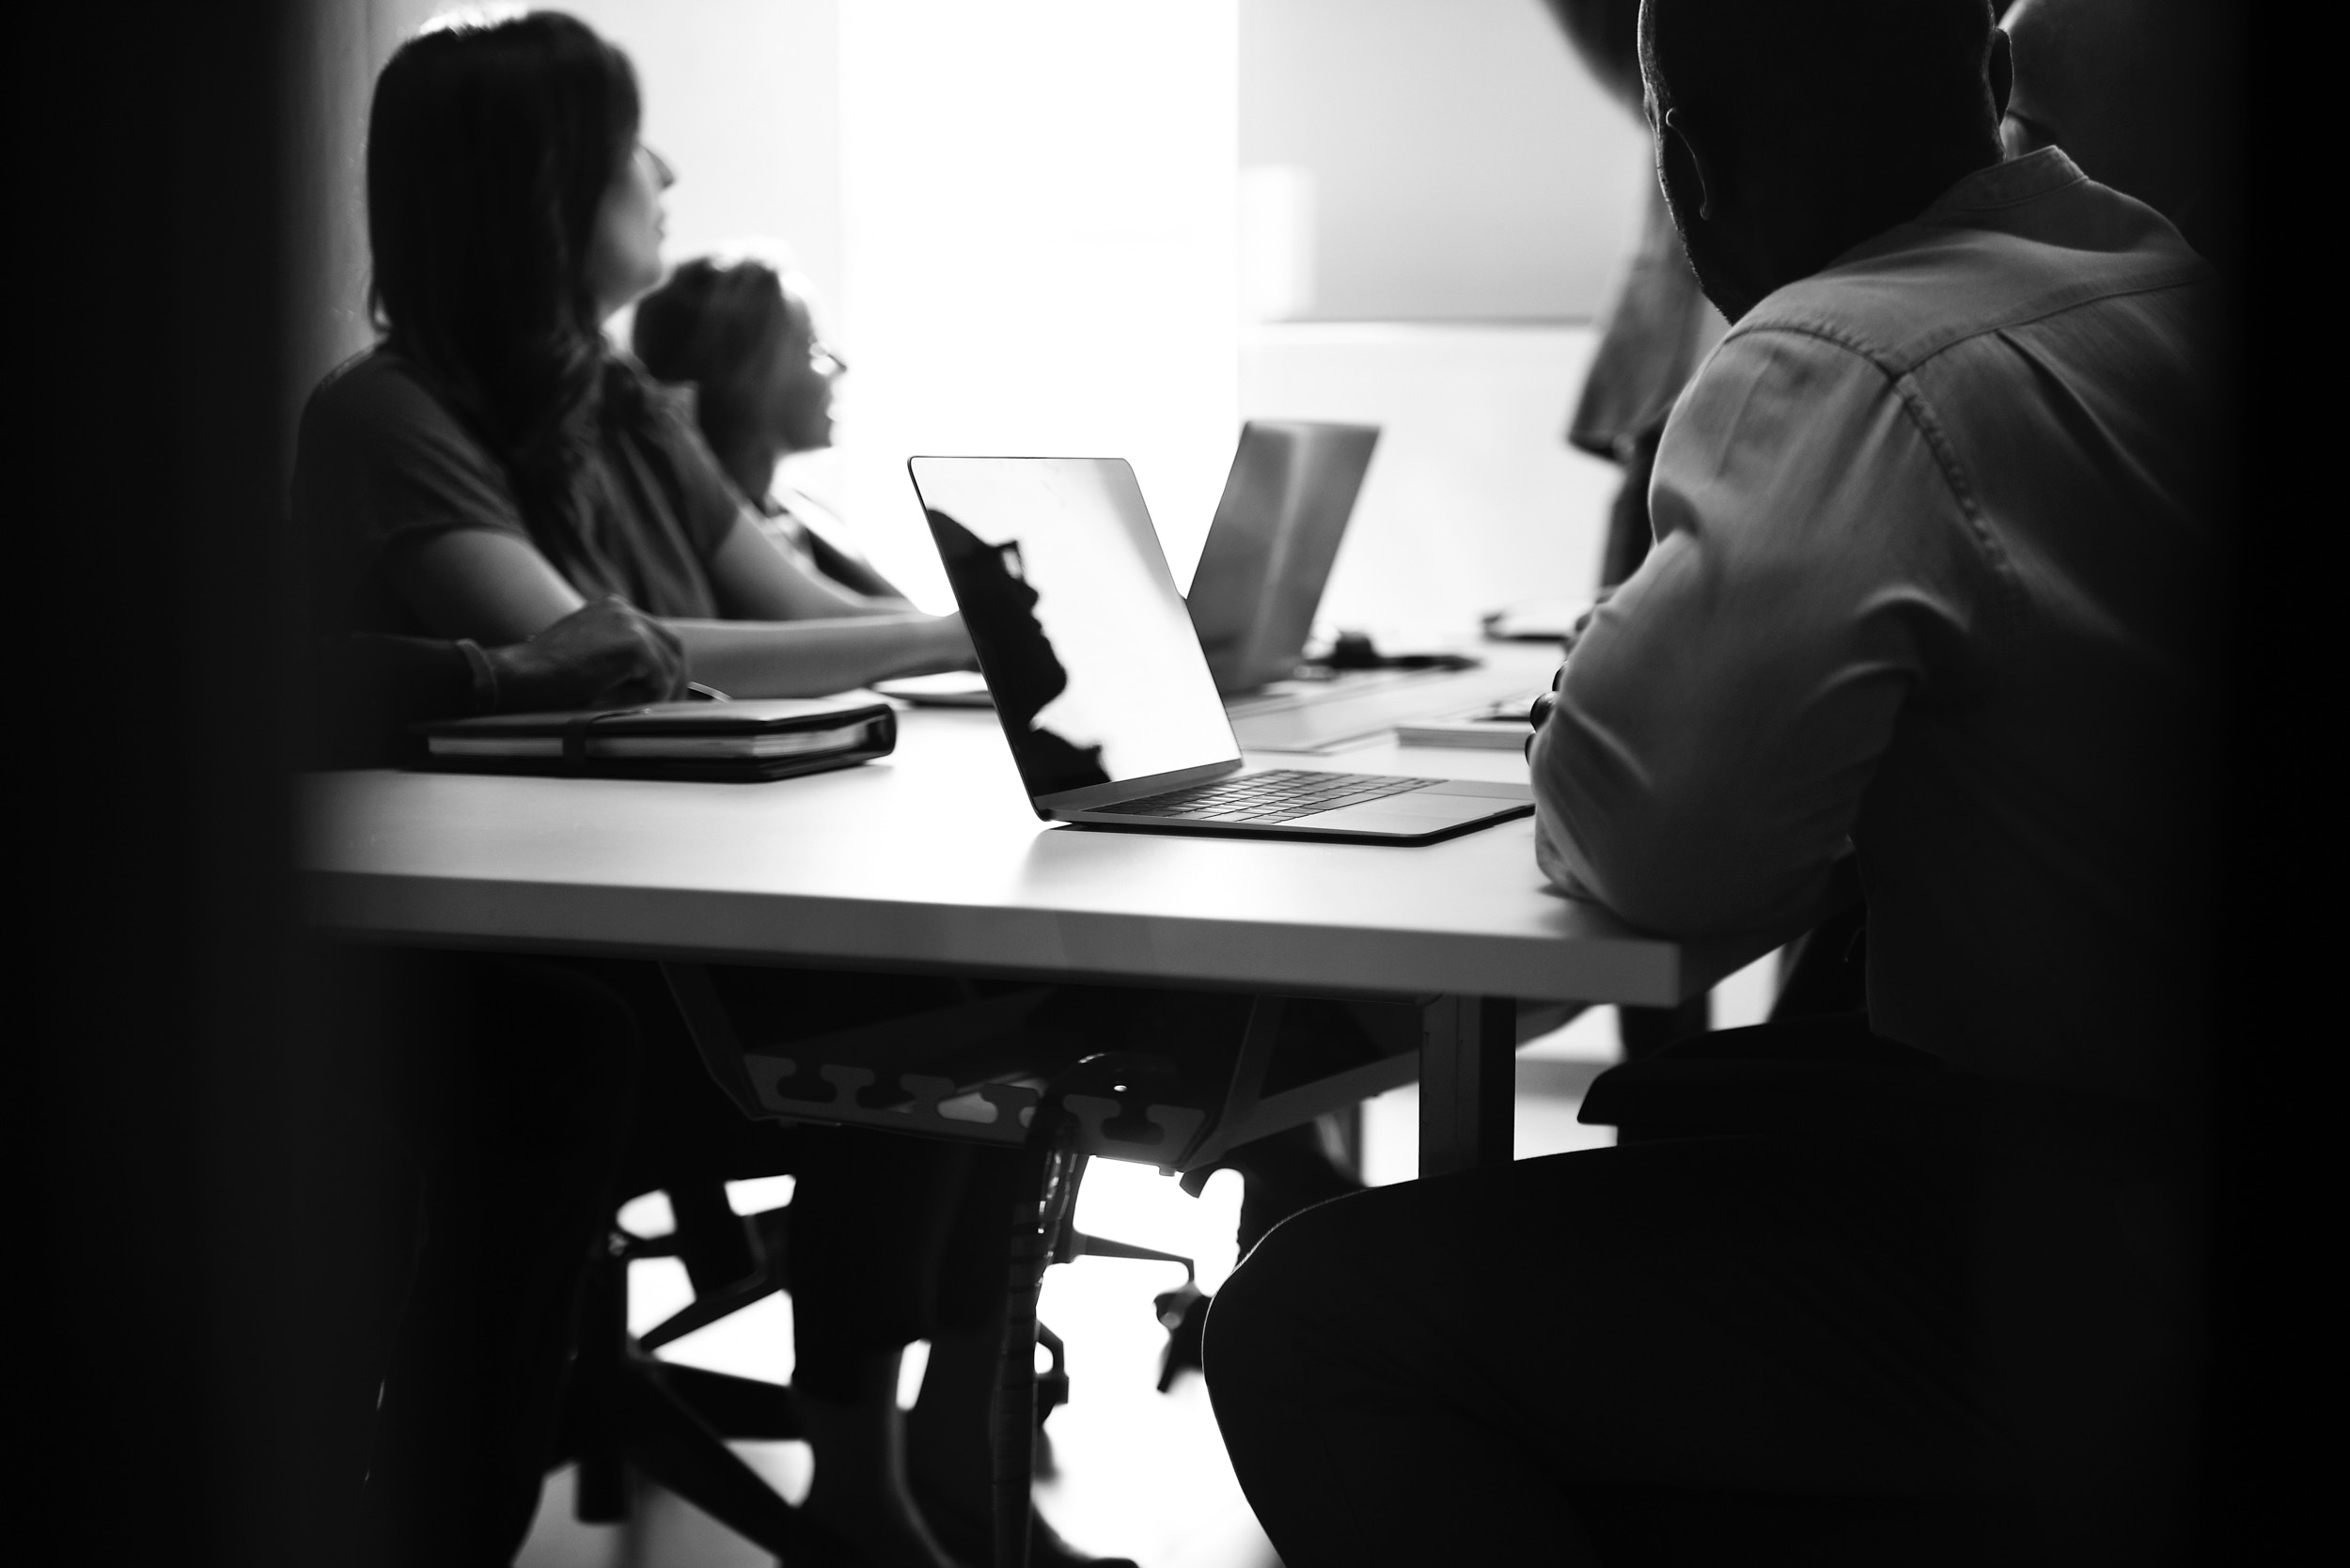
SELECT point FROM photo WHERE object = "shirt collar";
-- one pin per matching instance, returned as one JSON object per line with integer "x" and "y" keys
{"x": 2010, "y": 183}
{"x": 2004, "y": 184}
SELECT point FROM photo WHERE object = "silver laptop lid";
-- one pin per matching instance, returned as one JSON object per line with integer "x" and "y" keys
{"x": 1268, "y": 556}
{"x": 1097, "y": 674}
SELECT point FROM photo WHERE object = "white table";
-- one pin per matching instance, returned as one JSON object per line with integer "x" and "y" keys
{"x": 932, "y": 860}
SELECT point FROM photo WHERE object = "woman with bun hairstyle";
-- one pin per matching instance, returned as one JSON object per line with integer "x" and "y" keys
{"x": 743, "y": 334}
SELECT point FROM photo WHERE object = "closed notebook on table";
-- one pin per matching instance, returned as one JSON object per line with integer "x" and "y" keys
{"x": 739, "y": 742}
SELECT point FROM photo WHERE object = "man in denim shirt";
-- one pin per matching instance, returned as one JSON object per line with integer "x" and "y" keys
{"x": 1935, "y": 550}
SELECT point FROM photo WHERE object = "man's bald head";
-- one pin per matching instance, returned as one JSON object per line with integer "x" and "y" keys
{"x": 1874, "y": 77}
{"x": 1788, "y": 131}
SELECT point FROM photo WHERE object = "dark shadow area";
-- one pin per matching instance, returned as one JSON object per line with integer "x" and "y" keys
{"x": 1000, "y": 609}
{"x": 169, "y": 1111}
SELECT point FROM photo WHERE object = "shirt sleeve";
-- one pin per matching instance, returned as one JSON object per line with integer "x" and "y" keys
{"x": 1720, "y": 720}
{"x": 385, "y": 464}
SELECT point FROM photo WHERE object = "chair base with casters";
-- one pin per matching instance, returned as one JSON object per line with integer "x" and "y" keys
{"x": 627, "y": 1409}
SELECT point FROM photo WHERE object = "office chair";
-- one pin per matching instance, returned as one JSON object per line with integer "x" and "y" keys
{"x": 628, "y": 1408}
{"x": 1660, "y": 1526}
{"x": 1005, "y": 1068}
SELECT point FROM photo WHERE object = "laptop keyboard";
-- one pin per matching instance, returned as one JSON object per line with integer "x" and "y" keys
{"x": 1277, "y": 795}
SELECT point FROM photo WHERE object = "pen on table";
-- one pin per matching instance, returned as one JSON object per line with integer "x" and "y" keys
{"x": 696, "y": 692}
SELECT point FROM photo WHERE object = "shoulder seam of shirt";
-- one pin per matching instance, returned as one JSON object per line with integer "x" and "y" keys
{"x": 1921, "y": 418}
{"x": 2181, "y": 275}
{"x": 2004, "y": 571}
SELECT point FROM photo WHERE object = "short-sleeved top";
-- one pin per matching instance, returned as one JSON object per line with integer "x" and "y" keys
{"x": 385, "y": 464}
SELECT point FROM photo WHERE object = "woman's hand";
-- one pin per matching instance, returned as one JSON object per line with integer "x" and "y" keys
{"x": 605, "y": 655}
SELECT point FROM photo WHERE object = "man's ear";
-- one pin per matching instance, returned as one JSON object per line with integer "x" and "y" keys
{"x": 2002, "y": 72}
{"x": 1687, "y": 161}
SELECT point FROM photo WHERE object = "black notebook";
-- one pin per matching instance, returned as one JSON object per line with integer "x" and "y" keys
{"x": 723, "y": 742}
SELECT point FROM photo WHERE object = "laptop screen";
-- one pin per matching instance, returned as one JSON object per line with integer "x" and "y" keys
{"x": 1276, "y": 531}
{"x": 1096, "y": 671}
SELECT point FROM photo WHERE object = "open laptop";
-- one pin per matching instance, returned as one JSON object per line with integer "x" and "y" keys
{"x": 1100, "y": 681}
{"x": 1269, "y": 550}
{"x": 1266, "y": 561}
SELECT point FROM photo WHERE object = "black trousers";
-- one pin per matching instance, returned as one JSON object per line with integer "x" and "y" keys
{"x": 505, "y": 1094}
{"x": 894, "y": 1239}
{"x": 1883, "y": 1336}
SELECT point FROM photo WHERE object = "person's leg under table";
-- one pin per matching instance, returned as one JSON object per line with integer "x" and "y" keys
{"x": 870, "y": 1219}
{"x": 1422, "y": 1373}
{"x": 1467, "y": 1082}
{"x": 517, "y": 1105}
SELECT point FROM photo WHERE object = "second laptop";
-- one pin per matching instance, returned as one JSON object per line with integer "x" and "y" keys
{"x": 1100, "y": 681}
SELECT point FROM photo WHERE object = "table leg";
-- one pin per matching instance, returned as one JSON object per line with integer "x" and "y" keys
{"x": 1467, "y": 1082}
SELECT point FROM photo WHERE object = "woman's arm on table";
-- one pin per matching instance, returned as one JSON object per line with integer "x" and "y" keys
{"x": 809, "y": 658}
{"x": 496, "y": 588}
{"x": 760, "y": 578}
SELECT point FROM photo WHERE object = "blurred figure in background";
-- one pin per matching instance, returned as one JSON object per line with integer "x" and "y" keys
{"x": 2129, "y": 89}
{"x": 743, "y": 334}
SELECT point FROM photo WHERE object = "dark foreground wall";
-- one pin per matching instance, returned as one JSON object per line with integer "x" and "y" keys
{"x": 162, "y": 1077}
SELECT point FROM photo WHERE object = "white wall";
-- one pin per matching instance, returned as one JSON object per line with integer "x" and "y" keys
{"x": 1464, "y": 197}
{"x": 743, "y": 97}
{"x": 1037, "y": 225}
{"x": 1464, "y": 164}
{"x": 1472, "y": 501}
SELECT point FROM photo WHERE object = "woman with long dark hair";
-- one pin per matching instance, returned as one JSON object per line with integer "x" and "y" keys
{"x": 484, "y": 470}
{"x": 491, "y": 464}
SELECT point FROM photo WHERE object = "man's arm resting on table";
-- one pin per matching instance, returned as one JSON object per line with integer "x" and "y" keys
{"x": 1717, "y": 723}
